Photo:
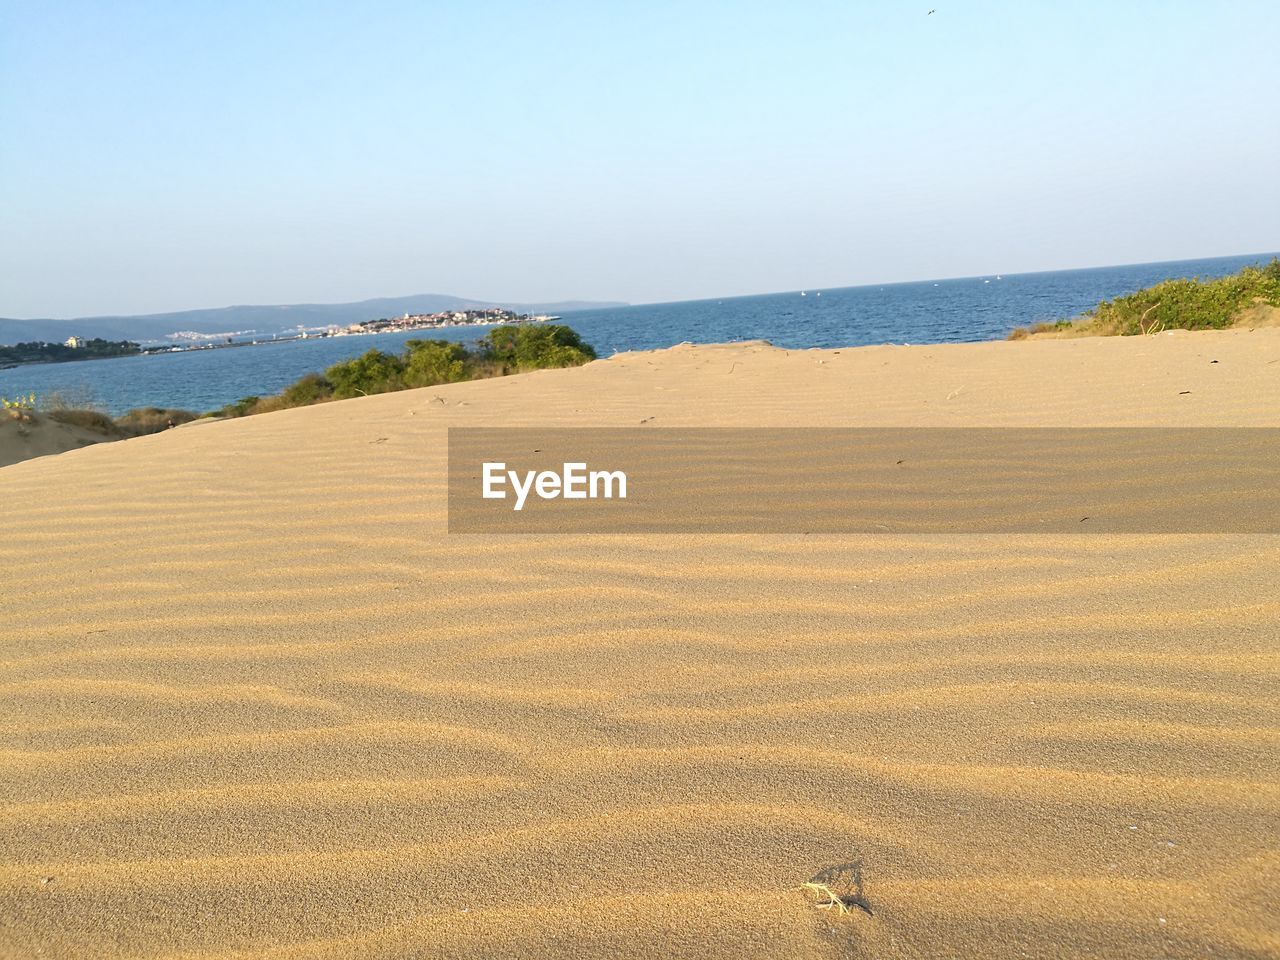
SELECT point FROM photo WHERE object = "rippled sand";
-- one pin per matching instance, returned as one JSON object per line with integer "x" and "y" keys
{"x": 255, "y": 702}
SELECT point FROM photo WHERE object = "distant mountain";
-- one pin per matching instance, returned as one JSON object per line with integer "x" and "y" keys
{"x": 262, "y": 319}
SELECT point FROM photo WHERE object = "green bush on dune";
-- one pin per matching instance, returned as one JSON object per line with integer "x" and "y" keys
{"x": 311, "y": 388}
{"x": 371, "y": 372}
{"x": 427, "y": 363}
{"x": 535, "y": 348}
{"x": 239, "y": 408}
{"x": 1182, "y": 304}
{"x": 1191, "y": 304}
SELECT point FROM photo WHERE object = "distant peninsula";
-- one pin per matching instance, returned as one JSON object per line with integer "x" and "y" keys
{"x": 267, "y": 320}
{"x": 73, "y": 348}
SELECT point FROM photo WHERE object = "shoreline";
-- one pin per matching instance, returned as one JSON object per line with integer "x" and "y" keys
{"x": 11, "y": 449}
{"x": 161, "y": 350}
{"x": 849, "y": 316}
{"x": 1271, "y": 319}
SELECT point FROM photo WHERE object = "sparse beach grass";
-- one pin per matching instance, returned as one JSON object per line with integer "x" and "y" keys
{"x": 1250, "y": 296}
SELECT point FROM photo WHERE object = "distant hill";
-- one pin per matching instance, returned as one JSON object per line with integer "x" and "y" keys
{"x": 262, "y": 319}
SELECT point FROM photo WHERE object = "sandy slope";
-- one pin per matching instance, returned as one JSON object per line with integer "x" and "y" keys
{"x": 38, "y": 436}
{"x": 255, "y": 702}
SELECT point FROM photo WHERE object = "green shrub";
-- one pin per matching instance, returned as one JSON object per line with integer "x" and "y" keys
{"x": 426, "y": 363}
{"x": 312, "y": 388}
{"x": 429, "y": 362}
{"x": 1189, "y": 304}
{"x": 241, "y": 408}
{"x": 369, "y": 373}
{"x": 535, "y": 347}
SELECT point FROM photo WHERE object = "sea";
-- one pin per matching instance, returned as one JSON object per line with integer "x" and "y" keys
{"x": 929, "y": 311}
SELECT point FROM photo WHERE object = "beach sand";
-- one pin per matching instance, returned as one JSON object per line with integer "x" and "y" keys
{"x": 36, "y": 435}
{"x": 255, "y": 702}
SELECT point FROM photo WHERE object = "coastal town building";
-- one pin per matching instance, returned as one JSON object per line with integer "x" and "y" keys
{"x": 450, "y": 318}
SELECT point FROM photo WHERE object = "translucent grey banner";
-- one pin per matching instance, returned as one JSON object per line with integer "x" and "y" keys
{"x": 856, "y": 480}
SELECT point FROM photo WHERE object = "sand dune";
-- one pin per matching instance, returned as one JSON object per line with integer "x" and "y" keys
{"x": 255, "y": 702}
{"x": 35, "y": 435}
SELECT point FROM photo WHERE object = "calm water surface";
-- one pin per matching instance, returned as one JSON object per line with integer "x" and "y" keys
{"x": 980, "y": 308}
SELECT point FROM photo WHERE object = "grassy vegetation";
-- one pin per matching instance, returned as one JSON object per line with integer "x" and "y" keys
{"x": 144, "y": 420}
{"x": 1182, "y": 304}
{"x": 1056, "y": 326}
{"x": 427, "y": 363}
{"x": 79, "y": 411}
{"x": 94, "y": 420}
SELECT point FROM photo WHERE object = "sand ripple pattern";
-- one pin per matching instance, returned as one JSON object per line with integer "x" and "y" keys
{"x": 254, "y": 702}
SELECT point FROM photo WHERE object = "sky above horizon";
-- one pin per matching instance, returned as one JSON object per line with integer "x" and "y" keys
{"x": 162, "y": 156}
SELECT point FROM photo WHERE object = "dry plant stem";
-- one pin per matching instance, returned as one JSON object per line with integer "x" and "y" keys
{"x": 822, "y": 890}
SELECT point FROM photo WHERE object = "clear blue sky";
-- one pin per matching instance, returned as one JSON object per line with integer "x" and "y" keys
{"x": 164, "y": 155}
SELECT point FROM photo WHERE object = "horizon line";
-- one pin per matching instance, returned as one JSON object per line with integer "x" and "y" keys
{"x": 624, "y": 304}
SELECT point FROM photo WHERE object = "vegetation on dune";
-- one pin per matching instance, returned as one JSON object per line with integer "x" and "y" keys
{"x": 436, "y": 361}
{"x": 94, "y": 420}
{"x": 1057, "y": 326}
{"x": 424, "y": 363}
{"x": 145, "y": 420}
{"x": 535, "y": 348}
{"x": 370, "y": 373}
{"x": 80, "y": 412}
{"x": 427, "y": 363}
{"x": 1182, "y": 304}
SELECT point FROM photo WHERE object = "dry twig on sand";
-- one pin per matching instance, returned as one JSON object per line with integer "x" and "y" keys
{"x": 844, "y": 876}
{"x": 833, "y": 899}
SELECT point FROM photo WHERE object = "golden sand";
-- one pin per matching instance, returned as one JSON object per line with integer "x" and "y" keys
{"x": 256, "y": 702}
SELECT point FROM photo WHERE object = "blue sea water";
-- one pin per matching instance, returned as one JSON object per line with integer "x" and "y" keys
{"x": 975, "y": 308}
